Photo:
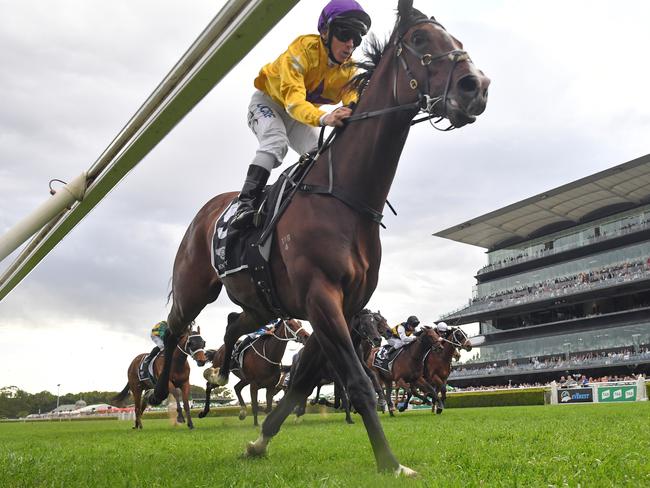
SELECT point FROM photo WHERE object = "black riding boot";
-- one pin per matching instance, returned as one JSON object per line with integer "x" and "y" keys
{"x": 256, "y": 179}
{"x": 151, "y": 355}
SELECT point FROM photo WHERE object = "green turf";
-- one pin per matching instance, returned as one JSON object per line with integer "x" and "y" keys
{"x": 568, "y": 445}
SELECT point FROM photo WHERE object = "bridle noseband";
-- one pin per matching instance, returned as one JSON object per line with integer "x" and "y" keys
{"x": 187, "y": 342}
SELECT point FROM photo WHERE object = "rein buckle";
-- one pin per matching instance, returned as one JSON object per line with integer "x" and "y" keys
{"x": 414, "y": 84}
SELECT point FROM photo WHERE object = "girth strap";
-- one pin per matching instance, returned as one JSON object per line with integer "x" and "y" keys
{"x": 354, "y": 204}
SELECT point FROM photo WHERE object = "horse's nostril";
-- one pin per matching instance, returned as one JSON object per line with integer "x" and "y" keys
{"x": 468, "y": 84}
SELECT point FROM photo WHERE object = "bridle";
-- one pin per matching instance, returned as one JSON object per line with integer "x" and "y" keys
{"x": 190, "y": 352}
{"x": 455, "y": 342}
{"x": 357, "y": 333}
{"x": 287, "y": 331}
{"x": 425, "y": 102}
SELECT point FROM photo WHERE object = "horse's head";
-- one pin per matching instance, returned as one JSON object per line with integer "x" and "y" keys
{"x": 429, "y": 336}
{"x": 366, "y": 325}
{"x": 194, "y": 345}
{"x": 433, "y": 68}
{"x": 382, "y": 324}
{"x": 458, "y": 338}
{"x": 294, "y": 330}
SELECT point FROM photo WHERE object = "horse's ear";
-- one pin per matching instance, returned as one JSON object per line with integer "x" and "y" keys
{"x": 198, "y": 330}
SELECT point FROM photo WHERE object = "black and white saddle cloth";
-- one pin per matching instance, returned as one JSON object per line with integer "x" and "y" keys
{"x": 145, "y": 369}
{"x": 237, "y": 250}
{"x": 385, "y": 357}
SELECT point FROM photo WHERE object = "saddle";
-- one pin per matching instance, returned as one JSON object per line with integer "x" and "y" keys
{"x": 235, "y": 250}
{"x": 145, "y": 369}
{"x": 385, "y": 357}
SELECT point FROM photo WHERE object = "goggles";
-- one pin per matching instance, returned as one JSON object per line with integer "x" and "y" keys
{"x": 344, "y": 34}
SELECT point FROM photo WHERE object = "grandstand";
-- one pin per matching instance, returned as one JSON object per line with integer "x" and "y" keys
{"x": 566, "y": 289}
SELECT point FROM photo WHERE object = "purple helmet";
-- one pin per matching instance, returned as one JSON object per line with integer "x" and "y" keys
{"x": 348, "y": 12}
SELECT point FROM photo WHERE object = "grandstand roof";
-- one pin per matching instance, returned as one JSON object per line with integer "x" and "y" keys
{"x": 605, "y": 193}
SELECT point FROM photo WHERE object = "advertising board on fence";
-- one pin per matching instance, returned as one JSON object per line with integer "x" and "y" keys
{"x": 575, "y": 395}
{"x": 626, "y": 393}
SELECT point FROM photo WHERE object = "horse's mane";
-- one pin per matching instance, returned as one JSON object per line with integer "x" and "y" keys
{"x": 374, "y": 49}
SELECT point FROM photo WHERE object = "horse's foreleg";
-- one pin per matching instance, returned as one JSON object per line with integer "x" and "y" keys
{"x": 379, "y": 391}
{"x": 270, "y": 393}
{"x": 185, "y": 389}
{"x": 176, "y": 393}
{"x": 206, "y": 409}
{"x": 331, "y": 330}
{"x": 254, "y": 405}
{"x": 242, "y": 405}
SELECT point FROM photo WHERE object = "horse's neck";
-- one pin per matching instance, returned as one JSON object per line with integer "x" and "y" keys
{"x": 274, "y": 347}
{"x": 448, "y": 351}
{"x": 178, "y": 358}
{"x": 366, "y": 154}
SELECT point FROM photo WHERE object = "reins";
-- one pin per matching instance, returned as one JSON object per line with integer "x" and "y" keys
{"x": 425, "y": 103}
{"x": 262, "y": 354}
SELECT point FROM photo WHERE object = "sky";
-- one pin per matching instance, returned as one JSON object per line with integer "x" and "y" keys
{"x": 568, "y": 98}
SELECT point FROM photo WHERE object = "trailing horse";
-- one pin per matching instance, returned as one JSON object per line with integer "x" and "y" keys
{"x": 326, "y": 249}
{"x": 260, "y": 366}
{"x": 189, "y": 344}
{"x": 437, "y": 366}
{"x": 408, "y": 366}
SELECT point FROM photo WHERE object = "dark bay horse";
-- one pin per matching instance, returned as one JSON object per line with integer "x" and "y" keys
{"x": 260, "y": 367}
{"x": 408, "y": 366}
{"x": 437, "y": 365}
{"x": 189, "y": 344}
{"x": 326, "y": 250}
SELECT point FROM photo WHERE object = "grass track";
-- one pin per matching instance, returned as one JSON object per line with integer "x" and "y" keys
{"x": 568, "y": 445}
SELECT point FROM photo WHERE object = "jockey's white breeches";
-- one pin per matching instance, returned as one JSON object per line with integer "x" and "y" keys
{"x": 277, "y": 131}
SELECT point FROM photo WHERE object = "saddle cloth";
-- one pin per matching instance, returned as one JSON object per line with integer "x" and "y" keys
{"x": 237, "y": 250}
{"x": 145, "y": 369}
{"x": 385, "y": 357}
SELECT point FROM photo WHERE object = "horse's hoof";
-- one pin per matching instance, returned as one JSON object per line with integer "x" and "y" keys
{"x": 255, "y": 449}
{"x": 211, "y": 375}
{"x": 180, "y": 420}
{"x": 202, "y": 414}
{"x": 392, "y": 413}
{"x": 349, "y": 421}
{"x": 407, "y": 472}
{"x": 190, "y": 426}
{"x": 439, "y": 411}
{"x": 221, "y": 380}
{"x": 242, "y": 414}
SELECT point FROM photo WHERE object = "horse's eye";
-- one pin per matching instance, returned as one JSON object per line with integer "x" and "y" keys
{"x": 419, "y": 38}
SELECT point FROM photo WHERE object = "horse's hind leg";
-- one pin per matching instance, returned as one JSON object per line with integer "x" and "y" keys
{"x": 191, "y": 292}
{"x": 206, "y": 409}
{"x": 138, "y": 405}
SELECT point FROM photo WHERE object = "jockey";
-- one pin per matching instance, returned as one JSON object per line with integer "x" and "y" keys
{"x": 248, "y": 338}
{"x": 284, "y": 110}
{"x": 441, "y": 328}
{"x": 158, "y": 333}
{"x": 402, "y": 334}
